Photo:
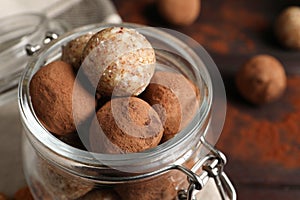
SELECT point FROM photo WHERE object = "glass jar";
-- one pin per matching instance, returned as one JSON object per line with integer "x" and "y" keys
{"x": 177, "y": 169}
{"x": 16, "y": 31}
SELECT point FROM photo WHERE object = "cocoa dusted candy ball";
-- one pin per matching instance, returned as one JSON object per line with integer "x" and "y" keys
{"x": 287, "y": 27}
{"x": 105, "y": 194}
{"x": 179, "y": 12}
{"x": 261, "y": 79}
{"x": 125, "y": 125}
{"x": 53, "y": 100}
{"x": 175, "y": 98}
{"x": 163, "y": 187}
{"x": 119, "y": 61}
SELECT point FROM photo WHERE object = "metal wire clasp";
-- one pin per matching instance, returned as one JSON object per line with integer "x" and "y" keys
{"x": 32, "y": 49}
{"x": 212, "y": 167}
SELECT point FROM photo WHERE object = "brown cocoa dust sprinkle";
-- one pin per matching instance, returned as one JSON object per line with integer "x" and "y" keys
{"x": 260, "y": 140}
{"x": 231, "y": 29}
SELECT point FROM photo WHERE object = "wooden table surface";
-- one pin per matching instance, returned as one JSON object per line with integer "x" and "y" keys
{"x": 262, "y": 144}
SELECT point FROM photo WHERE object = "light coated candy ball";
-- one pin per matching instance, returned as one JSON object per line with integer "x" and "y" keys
{"x": 287, "y": 27}
{"x": 72, "y": 51}
{"x": 119, "y": 61}
{"x": 261, "y": 79}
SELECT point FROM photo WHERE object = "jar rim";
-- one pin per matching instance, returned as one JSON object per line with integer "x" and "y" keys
{"x": 156, "y": 154}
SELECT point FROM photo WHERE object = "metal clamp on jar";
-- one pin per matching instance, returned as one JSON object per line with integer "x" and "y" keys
{"x": 177, "y": 169}
{"x": 212, "y": 167}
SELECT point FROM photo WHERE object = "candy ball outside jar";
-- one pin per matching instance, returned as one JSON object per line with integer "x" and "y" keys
{"x": 179, "y": 12}
{"x": 287, "y": 27}
{"x": 261, "y": 79}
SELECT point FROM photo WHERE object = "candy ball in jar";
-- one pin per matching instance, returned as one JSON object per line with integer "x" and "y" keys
{"x": 118, "y": 61}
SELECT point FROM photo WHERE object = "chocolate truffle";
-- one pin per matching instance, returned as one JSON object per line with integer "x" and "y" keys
{"x": 119, "y": 61}
{"x": 179, "y": 12}
{"x": 164, "y": 187}
{"x": 101, "y": 194}
{"x": 261, "y": 79}
{"x": 287, "y": 27}
{"x": 38, "y": 189}
{"x": 174, "y": 98}
{"x": 51, "y": 90}
{"x": 125, "y": 125}
{"x": 72, "y": 51}
{"x": 61, "y": 184}
{"x": 73, "y": 140}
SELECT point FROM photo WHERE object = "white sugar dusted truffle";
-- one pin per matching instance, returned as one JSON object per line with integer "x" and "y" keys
{"x": 72, "y": 51}
{"x": 119, "y": 61}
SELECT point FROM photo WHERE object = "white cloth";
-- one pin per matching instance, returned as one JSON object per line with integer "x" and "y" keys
{"x": 12, "y": 7}
{"x": 85, "y": 11}
{"x": 11, "y": 172}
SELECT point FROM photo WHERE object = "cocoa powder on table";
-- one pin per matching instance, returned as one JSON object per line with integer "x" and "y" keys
{"x": 230, "y": 30}
{"x": 265, "y": 139}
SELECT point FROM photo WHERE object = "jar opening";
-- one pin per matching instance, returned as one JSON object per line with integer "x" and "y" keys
{"x": 165, "y": 153}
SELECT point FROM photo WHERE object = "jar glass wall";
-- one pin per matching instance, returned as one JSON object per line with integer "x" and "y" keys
{"x": 56, "y": 170}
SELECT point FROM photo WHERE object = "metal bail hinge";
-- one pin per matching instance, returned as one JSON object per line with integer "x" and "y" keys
{"x": 212, "y": 167}
{"x": 32, "y": 49}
